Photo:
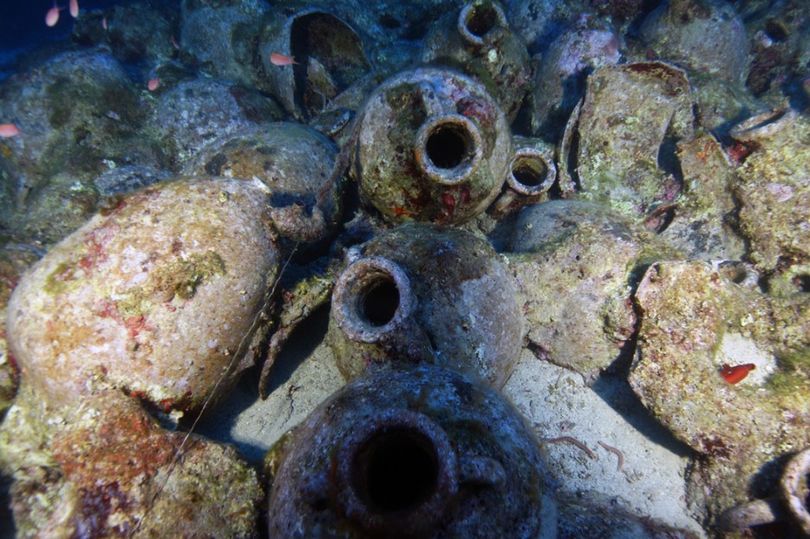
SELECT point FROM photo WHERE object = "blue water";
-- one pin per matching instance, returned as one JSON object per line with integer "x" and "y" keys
{"x": 23, "y": 29}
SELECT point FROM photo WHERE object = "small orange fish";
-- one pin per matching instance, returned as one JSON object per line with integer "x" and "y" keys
{"x": 278, "y": 59}
{"x": 736, "y": 373}
{"x": 153, "y": 84}
{"x": 104, "y": 23}
{"x": 8, "y": 130}
{"x": 52, "y": 16}
{"x": 74, "y": 8}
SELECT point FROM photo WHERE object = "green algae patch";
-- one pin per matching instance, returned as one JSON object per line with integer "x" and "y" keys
{"x": 182, "y": 277}
{"x": 134, "y": 303}
{"x": 630, "y": 116}
{"x": 58, "y": 281}
{"x": 693, "y": 322}
{"x": 179, "y": 278}
{"x": 773, "y": 190}
{"x": 792, "y": 382}
{"x": 276, "y": 454}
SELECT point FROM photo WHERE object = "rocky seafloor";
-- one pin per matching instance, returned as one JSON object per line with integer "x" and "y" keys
{"x": 376, "y": 269}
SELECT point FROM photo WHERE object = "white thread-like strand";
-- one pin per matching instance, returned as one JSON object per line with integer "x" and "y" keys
{"x": 239, "y": 352}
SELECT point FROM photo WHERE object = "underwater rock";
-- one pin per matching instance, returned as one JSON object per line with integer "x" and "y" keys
{"x": 128, "y": 178}
{"x": 699, "y": 221}
{"x": 536, "y": 20}
{"x": 14, "y": 259}
{"x": 705, "y": 36}
{"x": 150, "y": 91}
{"x": 780, "y": 51}
{"x": 773, "y": 152}
{"x": 626, "y": 128}
{"x": 578, "y": 519}
{"x": 574, "y": 263}
{"x": 137, "y": 33}
{"x": 708, "y": 39}
{"x": 222, "y": 39}
{"x": 622, "y": 14}
{"x": 559, "y": 80}
{"x": 432, "y": 146}
{"x": 424, "y": 293}
{"x": 194, "y": 113}
{"x": 721, "y": 104}
{"x": 296, "y": 164}
{"x": 73, "y": 110}
{"x": 791, "y": 506}
{"x": 111, "y": 470}
{"x": 329, "y": 57}
{"x": 479, "y": 42}
{"x": 699, "y": 334}
{"x": 10, "y": 188}
{"x": 56, "y": 209}
{"x": 391, "y": 32}
{"x": 77, "y": 112}
{"x": 81, "y": 116}
{"x": 418, "y": 451}
{"x": 790, "y": 280}
{"x": 126, "y": 301}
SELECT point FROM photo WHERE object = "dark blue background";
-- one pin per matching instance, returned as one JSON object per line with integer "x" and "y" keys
{"x": 22, "y": 27}
{"x": 22, "y": 22}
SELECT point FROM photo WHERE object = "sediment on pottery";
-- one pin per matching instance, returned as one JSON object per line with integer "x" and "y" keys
{"x": 479, "y": 42}
{"x": 421, "y": 293}
{"x": 699, "y": 221}
{"x": 139, "y": 34}
{"x": 559, "y": 79}
{"x": 432, "y": 145}
{"x": 772, "y": 161}
{"x": 195, "y": 113}
{"x": 14, "y": 260}
{"x": 593, "y": 254}
{"x": 125, "y": 301}
{"x": 531, "y": 173}
{"x": 293, "y": 161}
{"x": 391, "y": 454}
{"x": 702, "y": 35}
{"x": 80, "y": 113}
{"x": 702, "y": 331}
{"x": 96, "y": 472}
{"x": 617, "y": 145}
{"x": 222, "y": 39}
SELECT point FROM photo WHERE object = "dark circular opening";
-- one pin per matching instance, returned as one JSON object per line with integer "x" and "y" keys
{"x": 397, "y": 469}
{"x": 776, "y": 30}
{"x": 529, "y": 172}
{"x": 802, "y": 282}
{"x": 481, "y": 20}
{"x": 736, "y": 273}
{"x": 380, "y": 301}
{"x": 447, "y": 146}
